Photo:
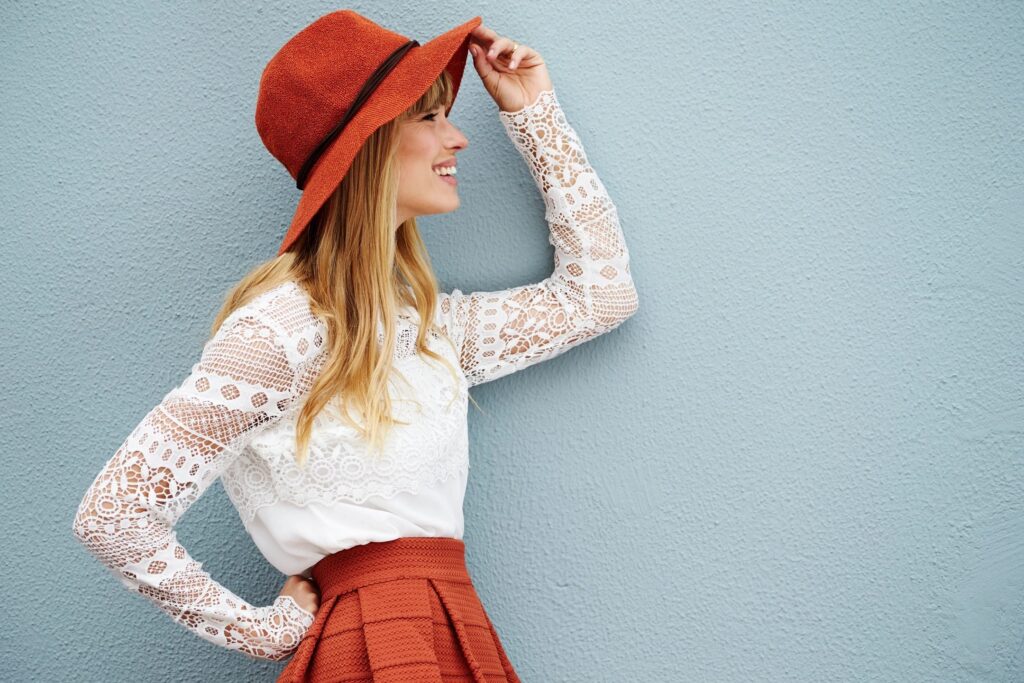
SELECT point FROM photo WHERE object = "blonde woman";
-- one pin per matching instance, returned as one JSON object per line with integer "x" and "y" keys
{"x": 335, "y": 417}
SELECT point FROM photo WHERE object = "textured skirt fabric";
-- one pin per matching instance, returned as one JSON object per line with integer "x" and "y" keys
{"x": 401, "y": 610}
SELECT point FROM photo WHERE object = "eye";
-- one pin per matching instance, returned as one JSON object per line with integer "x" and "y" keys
{"x": 430, "y": 117}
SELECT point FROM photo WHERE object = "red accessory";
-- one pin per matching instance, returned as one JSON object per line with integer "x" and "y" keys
{"x": 334, "y": 83}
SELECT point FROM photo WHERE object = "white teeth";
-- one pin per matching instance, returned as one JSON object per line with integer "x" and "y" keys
{"x": 445, "y": 170}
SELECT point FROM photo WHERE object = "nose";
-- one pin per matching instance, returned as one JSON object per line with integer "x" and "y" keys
{"x": 455, "y": 139}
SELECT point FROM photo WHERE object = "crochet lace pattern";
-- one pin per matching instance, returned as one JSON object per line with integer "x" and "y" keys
{"x": 233, "y": 416}
{"x": 340, "y": 466}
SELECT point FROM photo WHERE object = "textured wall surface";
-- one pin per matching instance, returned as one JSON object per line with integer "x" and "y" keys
{"x": 802, "y": 460}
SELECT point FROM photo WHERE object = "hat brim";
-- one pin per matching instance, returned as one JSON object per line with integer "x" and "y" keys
{"x": 399, "y": 90}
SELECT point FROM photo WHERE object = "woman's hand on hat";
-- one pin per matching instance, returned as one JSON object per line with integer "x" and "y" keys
{"x": 514, "y": 78}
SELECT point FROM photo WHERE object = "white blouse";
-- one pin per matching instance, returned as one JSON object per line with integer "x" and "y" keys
{"x": 233, "y": 416}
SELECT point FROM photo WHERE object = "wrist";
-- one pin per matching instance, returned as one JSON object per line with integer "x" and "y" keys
{"x": 293, "y": 612}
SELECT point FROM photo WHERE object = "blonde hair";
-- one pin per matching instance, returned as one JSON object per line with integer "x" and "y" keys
{"x": 356, "y": 270}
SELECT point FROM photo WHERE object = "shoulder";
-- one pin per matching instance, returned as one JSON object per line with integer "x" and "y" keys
{"x": 281, "y": 316}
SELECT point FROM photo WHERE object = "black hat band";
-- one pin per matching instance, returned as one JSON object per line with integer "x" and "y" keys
{"x": 364, "y": 93}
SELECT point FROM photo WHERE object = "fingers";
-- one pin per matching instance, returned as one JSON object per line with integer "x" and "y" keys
{"x": 503, "y": 57}
{"x": 517, "y": 55}
{"x": 484, "y": 33}
{"x": 499, "y": 48}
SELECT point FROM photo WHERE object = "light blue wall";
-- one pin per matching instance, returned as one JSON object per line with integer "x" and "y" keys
{"x": 802, "y": 460}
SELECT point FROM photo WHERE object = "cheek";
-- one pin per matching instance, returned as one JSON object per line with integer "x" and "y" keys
{"x": 417, "y": 152}
{"x": 419, "y": 149}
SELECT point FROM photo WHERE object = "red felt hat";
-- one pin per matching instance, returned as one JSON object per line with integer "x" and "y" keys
{"x": 334, "y": 83}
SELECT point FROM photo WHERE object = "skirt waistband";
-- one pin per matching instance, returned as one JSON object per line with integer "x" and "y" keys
{"x": 436, "y": 557}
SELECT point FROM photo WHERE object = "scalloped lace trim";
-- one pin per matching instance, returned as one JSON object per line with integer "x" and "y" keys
{"x": 431, "y": 448}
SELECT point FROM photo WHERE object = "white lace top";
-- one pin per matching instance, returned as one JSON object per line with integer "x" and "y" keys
{"x": 233, "y": 416}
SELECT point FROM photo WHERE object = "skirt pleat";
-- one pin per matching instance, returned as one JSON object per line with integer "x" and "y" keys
{"x": 399, "y": 611}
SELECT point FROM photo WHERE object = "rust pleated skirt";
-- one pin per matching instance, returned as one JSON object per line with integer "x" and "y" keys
{"x": 401, "y": 610}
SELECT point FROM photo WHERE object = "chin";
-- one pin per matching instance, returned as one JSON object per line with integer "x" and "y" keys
{"x": 447, "y": 207}
{"x": 438, "y": 205}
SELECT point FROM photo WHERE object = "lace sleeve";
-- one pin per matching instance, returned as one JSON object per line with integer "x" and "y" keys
{"x": 590, "y": 291}
{"x": 245, "y": 380}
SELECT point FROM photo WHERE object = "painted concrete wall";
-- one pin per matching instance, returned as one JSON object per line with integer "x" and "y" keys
{"x": 802, "y": 460}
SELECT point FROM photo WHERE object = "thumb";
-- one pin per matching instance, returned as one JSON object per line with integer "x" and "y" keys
{"x": 478, "y": 56}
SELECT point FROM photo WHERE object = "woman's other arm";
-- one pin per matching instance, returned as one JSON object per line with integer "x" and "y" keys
{"x": 245, "y": 380}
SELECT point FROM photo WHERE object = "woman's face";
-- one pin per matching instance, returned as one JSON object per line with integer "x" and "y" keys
{"x": 426, "y": 140}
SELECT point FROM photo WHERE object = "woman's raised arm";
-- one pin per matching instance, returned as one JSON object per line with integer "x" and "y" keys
{"x": 591, "y": 290}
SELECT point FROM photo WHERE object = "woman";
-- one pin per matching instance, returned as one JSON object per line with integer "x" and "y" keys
{"x": 362, "y": 513}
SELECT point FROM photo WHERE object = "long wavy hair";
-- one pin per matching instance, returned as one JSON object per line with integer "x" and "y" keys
{"x": 356, "y": 271}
